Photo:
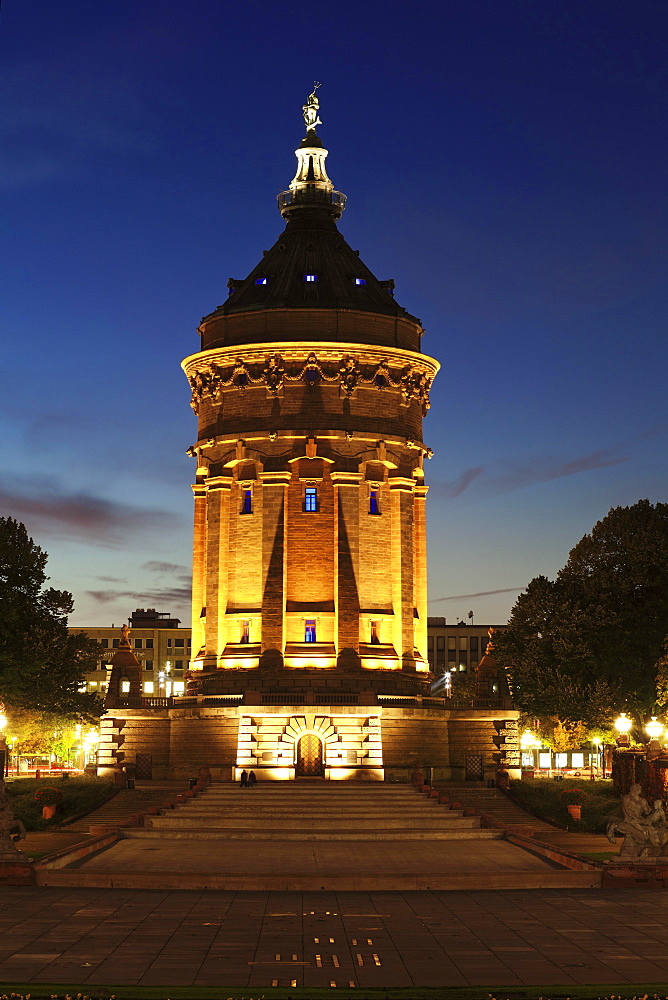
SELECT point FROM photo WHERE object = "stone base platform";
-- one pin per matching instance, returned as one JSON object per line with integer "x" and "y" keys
{"x": 286, "y": 866}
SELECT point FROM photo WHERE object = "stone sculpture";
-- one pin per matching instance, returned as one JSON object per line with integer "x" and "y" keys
{"x": 11, "y": 829}
{"x": 645, "y": 827}
{"x": 310, "y": 110}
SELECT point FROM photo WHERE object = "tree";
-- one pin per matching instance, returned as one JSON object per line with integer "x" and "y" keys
{"x": 42, "y": 666}
{"x": 589, "y": 643}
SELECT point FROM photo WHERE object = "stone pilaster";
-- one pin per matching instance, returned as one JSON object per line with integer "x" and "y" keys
{"x": 218, "y": 504}
{"x": 347, "y": 568}
{"x": 199, "y": 570}
{"x": 401, "y": 496}
{"x": 420, "y": 569}
{"x": 274, "y": 497}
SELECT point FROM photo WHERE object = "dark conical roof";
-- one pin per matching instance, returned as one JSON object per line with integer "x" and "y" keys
{"x": 312, "y": 245}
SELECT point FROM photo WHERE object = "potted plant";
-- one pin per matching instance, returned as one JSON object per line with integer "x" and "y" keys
{"x": 573, "y": 798}
{"x": 48, "y": 798}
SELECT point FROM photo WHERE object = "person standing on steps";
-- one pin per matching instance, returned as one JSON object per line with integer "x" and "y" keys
{"x": 251, "y": 779}
{"x": 244, "y": 778}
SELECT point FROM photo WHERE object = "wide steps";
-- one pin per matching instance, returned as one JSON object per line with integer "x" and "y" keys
{"x": 280, "y": 834}
{"x": 324, "y": 823}
{"x": 319, "y": 811}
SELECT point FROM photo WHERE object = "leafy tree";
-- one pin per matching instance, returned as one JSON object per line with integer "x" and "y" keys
{"x": 41, "y": 666}
{"x": 35, "y": 733}
{"x": 587, "y": 644}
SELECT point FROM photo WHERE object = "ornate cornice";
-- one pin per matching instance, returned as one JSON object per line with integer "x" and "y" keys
{"x": 274, "y": 366}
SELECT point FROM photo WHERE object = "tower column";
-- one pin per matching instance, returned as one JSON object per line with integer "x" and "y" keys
{"x": 199, "y": 571}
{"x": 346, "y": 566}
{"x": 274, "y": 499}
{"x": 218, "y": 515}
{"x": 420, "y": 569}
{"x": 403, "y": 593}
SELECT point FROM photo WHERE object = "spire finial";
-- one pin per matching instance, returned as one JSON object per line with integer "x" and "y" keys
{"x": 310, "y": 110}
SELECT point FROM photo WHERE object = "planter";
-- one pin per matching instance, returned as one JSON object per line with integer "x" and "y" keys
{"x": 575, "y": 811}
{"x": 48, "y": 812}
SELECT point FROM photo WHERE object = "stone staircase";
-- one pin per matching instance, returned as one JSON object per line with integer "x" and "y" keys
{"x": 283, "y": 811}
{"x": 497, "y": 810}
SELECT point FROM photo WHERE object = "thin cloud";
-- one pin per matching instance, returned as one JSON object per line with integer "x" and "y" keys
{"x": 519, "y": 477}
{"x": 48, "y": 510}
{"x": 480, "y": 593}
{"x": 155, "y": 598}
{"x": 459, "y": 485}
{"x": 482, "y": 482}
{"x": 155, "y": 566}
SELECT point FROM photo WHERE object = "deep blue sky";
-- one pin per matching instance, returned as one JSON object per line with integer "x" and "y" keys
{"x": 504, "y": 160}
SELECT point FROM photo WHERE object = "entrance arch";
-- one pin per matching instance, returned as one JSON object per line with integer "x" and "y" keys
{"x": 309, "y": 762}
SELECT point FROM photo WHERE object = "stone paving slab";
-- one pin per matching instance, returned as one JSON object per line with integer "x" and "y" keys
{"x": 373, "y": 940}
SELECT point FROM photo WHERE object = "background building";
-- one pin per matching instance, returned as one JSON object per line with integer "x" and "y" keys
{"x": 456, "y": 646}
{"x": 159, "y": 643}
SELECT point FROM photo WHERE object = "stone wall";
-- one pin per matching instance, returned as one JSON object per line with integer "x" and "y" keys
{"x": 358, "y": 742}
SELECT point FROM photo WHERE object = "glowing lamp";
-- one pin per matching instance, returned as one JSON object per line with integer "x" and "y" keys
{"x": 3, "y": 721}
{"x": 623, "y": 724}
{"x": 528, "y": 740}
{"x": 654, "y": 728}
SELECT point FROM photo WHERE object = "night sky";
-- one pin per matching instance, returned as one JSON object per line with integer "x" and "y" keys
{"x": 505, "y": 163}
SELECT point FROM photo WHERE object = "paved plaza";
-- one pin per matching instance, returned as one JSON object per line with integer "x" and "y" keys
{"x": 536, "y": 937}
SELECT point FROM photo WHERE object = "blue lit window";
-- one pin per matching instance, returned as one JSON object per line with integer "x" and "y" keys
{"x": 311, "y": 500}
{"x": 310, "y": 277}
{"x": 247, "y": 505}
{"x": 245, "y": 632}
{"x": 360, "y": 281}
{"x": 260, "y": 281}
{"x": 309, "y": 630}
{"x": 374, "y": 507}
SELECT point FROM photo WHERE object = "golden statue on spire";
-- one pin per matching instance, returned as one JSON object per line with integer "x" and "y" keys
{"x": 310, "y": 110}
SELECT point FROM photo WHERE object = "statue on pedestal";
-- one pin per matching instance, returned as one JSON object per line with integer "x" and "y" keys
{"x": 645, "y": 827}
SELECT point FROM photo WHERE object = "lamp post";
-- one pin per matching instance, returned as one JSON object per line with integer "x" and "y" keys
{"x": 596, "y": 743}
{"x": 623, "y": 725}
{"x": 529, "y": 742}
{"x": 654, "y": 730}
{"x": 3, "y": 746}
{"x": 90, "y": 741}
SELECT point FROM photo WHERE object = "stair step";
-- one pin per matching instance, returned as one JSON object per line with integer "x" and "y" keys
{"x": 327, "y": 823}
{"x": 203, "y": 833}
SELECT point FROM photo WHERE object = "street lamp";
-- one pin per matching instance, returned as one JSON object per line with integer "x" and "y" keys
{"x": 3, "y": 746}
{"x": 622, "y": 723}
{"x": 528, "y": 742}
{"x": 654, "y": 728}
{"x": 596, "y": 743}
{"x": 90, "y": 740}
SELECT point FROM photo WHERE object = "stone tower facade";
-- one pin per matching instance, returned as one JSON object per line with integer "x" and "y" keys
{"x": 310, "y": 387}
{"x": 309, "y": 625}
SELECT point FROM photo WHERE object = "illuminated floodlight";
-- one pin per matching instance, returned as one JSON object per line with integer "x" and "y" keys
{"x": 528, "y": 741}
{"x": 654, "y": 728}
{"x": 623, "y": 724}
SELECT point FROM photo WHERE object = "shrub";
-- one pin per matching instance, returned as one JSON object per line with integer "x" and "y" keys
{"x": 542, "y": 797}
{"x": 79, "y": 793}
{"x": 48, "y": 796}
{"x": 574, "y": 796}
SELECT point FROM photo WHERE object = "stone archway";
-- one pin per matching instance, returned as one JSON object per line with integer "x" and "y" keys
{"x": 309, "y": 762}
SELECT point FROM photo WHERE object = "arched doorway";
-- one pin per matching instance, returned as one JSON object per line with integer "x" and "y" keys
{"x": 309, "y": 757}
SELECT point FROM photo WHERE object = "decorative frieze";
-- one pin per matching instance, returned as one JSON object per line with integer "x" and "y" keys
{"x": 274, "y": 372}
